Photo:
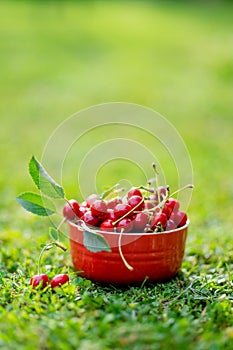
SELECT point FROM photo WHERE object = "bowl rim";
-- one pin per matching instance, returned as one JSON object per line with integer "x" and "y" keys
{"x": 132, "y": 233}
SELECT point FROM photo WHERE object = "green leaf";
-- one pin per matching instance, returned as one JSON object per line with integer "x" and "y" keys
{"x": 95, "y": 242}
{"x": 43, "y": 180}
{"x": 53, "y": 233}
{"x": 36, "y": 204}
{"x": 107, "y": 192}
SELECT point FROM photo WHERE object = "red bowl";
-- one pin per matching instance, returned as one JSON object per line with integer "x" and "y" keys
{"x": 153, "y": 256}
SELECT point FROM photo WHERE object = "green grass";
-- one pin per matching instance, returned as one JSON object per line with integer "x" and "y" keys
{"x": 59, "y": 57}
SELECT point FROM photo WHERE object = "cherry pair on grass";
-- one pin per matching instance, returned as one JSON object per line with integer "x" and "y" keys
{"x": 42, "y": 280}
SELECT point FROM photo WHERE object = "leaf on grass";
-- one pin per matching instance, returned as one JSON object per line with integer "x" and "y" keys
{"x": 36, "y": 204}
{"x": 43, "y": 180}
{"x": 53, "y": 233}
{"x": 95, "y": 242}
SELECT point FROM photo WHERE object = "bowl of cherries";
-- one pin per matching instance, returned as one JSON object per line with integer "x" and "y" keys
{"x": 127, "y": 239}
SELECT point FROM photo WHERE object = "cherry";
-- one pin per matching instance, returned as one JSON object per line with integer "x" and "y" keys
{"x": 71, "y": 213}
{"x": 125, "y": 224}
{"x": 99, "y": 209}
{"x": 162, "y": 191}
{"x": 180, "y": 218}
{"x": 82, "y": 210}
{"x": 149, "y": 205}
{"x": 134, "y": 203}
{"x": 91, "y": 199}
{"x": 121, "y": 210}
{"x": 134, "y": 192}
{"x": 58, "y": 280}
{"x": 171, "y": 225}
{"x": 113, "y": 202}
{"x": 107, "y": 225}
{"x": 166, "y": 211}
{"x": 41, "y": 280}
{"x": 159, "y": 218}
{"x": 90, "y": 219}
{"x": 140, "y": 221}
{"x": 172, "y": 205}
{"x": 111, "y": 215}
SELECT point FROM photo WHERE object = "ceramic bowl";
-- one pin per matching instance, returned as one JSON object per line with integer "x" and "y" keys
{"x": 153, "y": 256}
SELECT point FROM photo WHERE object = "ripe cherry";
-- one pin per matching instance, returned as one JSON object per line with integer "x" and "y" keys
{"x": 111, "y": 215}
{"x": 162, "y": 191}
{"x": 172, "y": 205}
{"x": 90, "y": 219}
{"x": 126, "y": 224}
{"x": 171, "y": 225}
{"x": 140, "y": 221}
{"x": 82, "y": 210}
{"x": 121, "y": 210}
{"x": 159, "y": 218}
{"x": 107, "y": 225}
{"x": 180, "y": 218}
{"x": 91, "y": 199}
{"x": 166, "y": 211}
{"x": 58, "y": 280}
{"x": 149, "y": 204}
{"x": 41, "y": 280}
{"x": 134, "y": 192}
{"x": 99, "y": 209}
{"x": 134, "y": 202}
{"x": 113, "y": 202}
{"x": 71, "y": 209}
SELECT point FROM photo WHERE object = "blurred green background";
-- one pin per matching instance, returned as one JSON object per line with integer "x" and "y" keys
{"x": 58, "y": 57}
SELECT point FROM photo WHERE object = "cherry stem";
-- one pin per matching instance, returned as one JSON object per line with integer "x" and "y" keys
{"x": 181, "y": 189}
{"x": 129, "y": 212}
{"x": 151, "y": 190}
{"x": 48, "y": 247}
{"x": 61, "y": 223}
{"x": 156, "y": 180}
{"x": 121, "y": 254}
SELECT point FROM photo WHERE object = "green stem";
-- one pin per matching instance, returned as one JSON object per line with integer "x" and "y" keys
{"x": 181, "y": 189}
{"x": 121, "y": 253}
{"x": 40, "y": 256}
{"x": 61, "y": 223}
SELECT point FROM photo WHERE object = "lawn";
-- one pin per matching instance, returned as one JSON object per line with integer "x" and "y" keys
{"x": 57, "y": 58}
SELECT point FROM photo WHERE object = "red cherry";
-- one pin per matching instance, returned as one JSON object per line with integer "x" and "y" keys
{"x": 134, "y": 203}
{"x": 172, "y": 205}
{"x": 111, "y": 215}
{"x": 107, "y": 225}
{"x": 140, "y": 221}
{"x": 90, "y": 219}
{"x": 82, "y": 210}
{"x": 134, "y": 192}
{"x": 162, "y": 191}
{"x": 171, "y": 225}
{"x": 125, "y": 224}
{"x": 91, "y": 199}
{"x": 159, "y": 218}
{"x": 180, "y": 218}
{"x": 39, "y": 280}
{"x": 113, "y": 202}
{"x": 121, "y": 210}
{"x": 58, "y": 280}
{"x": 149, "y": 205}
{"x": 166, "y": 211}
{"x": 71, "y": 213}
{"x": 99, "y": 209}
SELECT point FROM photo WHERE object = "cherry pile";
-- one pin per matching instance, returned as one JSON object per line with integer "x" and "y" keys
{"x": 42, "y": 280}
{"x": 142, "y": 210}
